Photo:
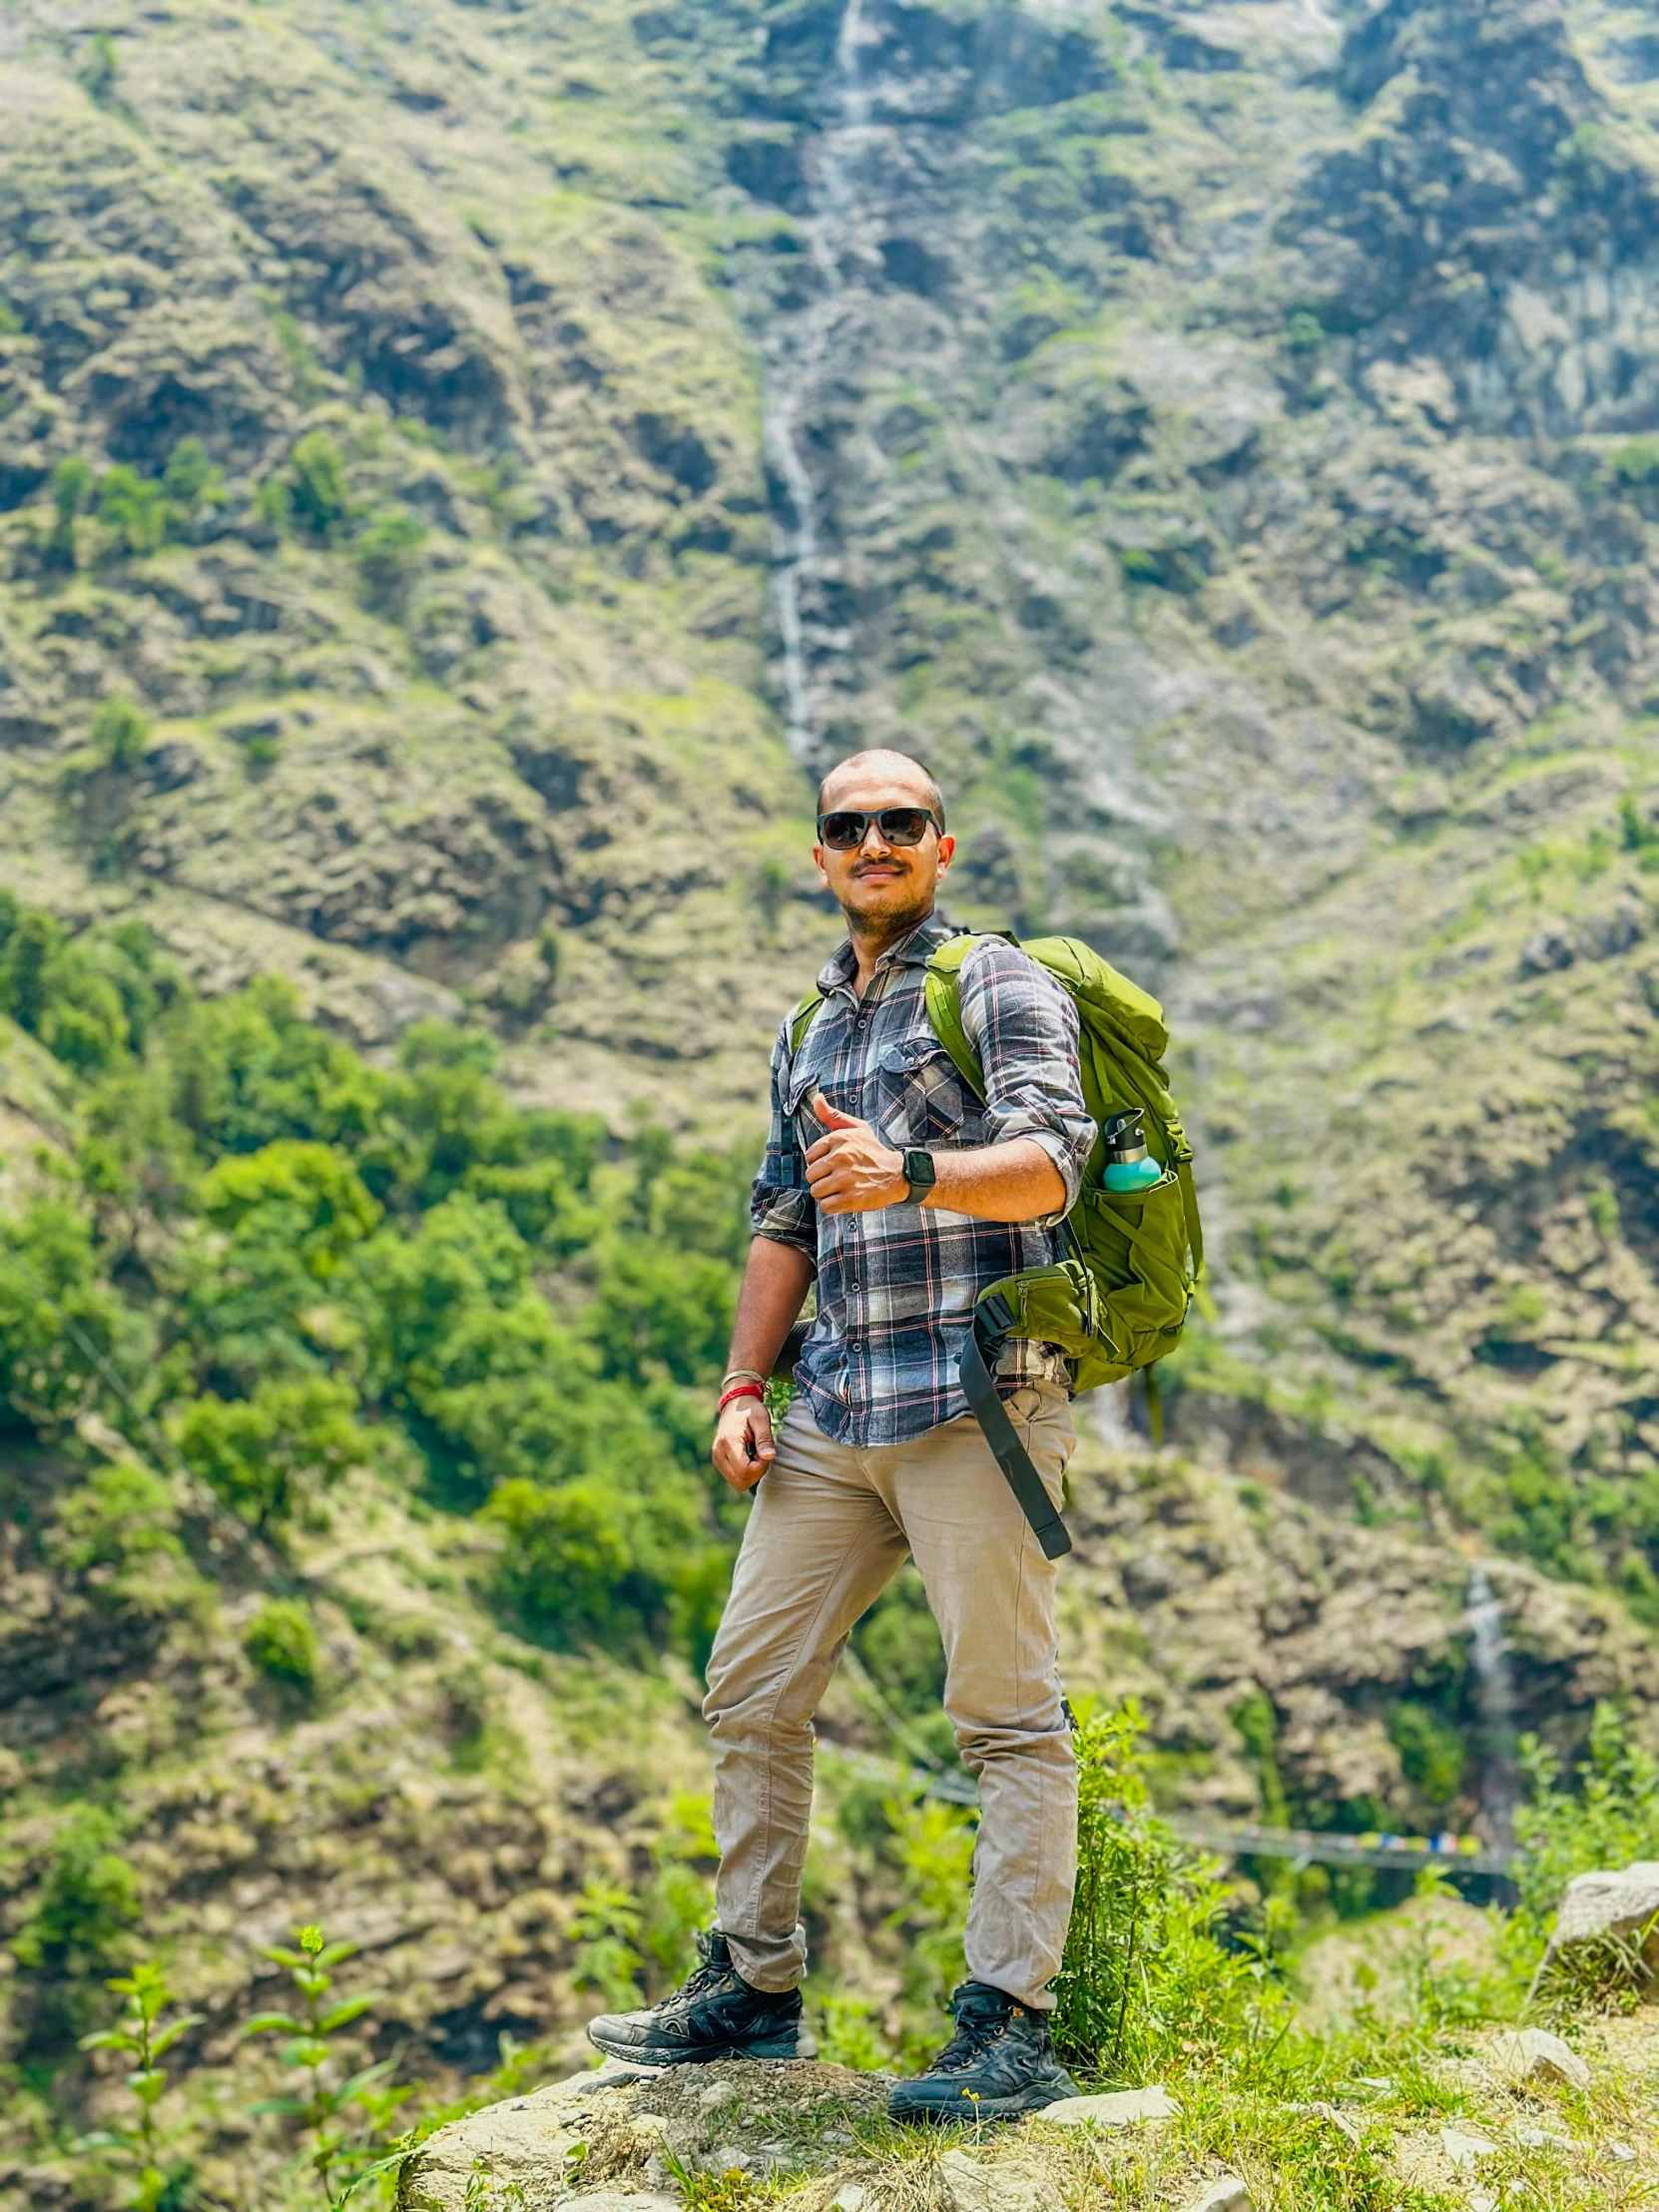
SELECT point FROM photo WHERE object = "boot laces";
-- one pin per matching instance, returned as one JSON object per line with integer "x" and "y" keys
{"x": 703, "y": 1980}
{"x": 975, "y": 2033}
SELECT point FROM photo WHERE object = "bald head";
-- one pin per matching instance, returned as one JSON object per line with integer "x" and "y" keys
{"x": 893, "y": 771}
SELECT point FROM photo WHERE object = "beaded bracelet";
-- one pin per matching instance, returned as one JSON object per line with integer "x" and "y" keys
{"x": 743, "y": 1389}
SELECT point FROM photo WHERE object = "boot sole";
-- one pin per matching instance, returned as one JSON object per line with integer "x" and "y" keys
{"x": 798, "y": 2045}
{"x": 967, "y": 2110}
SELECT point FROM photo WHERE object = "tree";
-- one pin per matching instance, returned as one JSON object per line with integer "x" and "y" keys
{"x": 260, "y": 1454}
{"x": 72, "y": 490}
{"x": 119, "y": 732}
{"x": 318, "y": 493}
{"x": 134, "y": 507}
{"x": 190, "y": 479}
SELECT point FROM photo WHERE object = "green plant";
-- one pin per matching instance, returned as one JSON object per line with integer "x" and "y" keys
{"x": 119, "y": 732}
{"x": 281, "y": 1642}
{"x": 848, "y": 2034}
{"x": 98, "y": 72}
{"x": 388, "y": 553}
{"x": 264, "y": 1454}
{"x": 931, "y": 1843}
{"x": 316, "y": 484}
{"x": 1146, "y": 1987}
{"x": 770, "y": 888}
{"x": 606, "y": 1929}
{"x": 146, "y": 2038}
{"x": 89, "y": 1895}
{"x": 1431, "y": 1752}
{"x": 190, "y": 479}
{"x": 1609, "y": 1820}
{"x": 134, "y": 507}
{"x": 72, "y": 490}
{"x": 341, "y": 2156}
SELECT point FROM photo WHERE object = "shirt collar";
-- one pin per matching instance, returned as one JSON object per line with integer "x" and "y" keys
{"x": 841, "y": 970}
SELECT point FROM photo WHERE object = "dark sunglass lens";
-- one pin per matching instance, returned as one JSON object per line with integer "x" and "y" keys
{"x": 905, "y": 825}
{"x": 842, "y": 833}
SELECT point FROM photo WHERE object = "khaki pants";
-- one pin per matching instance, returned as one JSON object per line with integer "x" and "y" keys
{"x": 829, "y": 1530}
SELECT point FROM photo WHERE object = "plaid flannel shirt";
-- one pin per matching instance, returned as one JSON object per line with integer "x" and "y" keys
{"x": 896, "y": 1288}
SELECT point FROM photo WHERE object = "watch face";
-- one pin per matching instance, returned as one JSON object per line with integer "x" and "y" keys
{"x": 920, "y": 1171}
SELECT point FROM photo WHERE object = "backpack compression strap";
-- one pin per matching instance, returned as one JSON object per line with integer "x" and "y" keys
{"x": 991, "y": 1321}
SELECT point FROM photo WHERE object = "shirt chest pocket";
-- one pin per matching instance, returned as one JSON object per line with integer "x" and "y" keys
{"x": 923, "y": 1100}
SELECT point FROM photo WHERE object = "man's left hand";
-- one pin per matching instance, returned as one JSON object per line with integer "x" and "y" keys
{"x": 849, "y": 1170}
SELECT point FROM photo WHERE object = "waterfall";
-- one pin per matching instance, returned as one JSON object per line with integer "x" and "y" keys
{"x": 1500, "y": 1789}
{"x": 796, "y": 362}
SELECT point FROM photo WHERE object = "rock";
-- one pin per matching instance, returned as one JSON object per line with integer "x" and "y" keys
{"x": 1532, "y": 2054}
{"x": 1623, "y": 2154}
{"x": 1117, "y": 2109}
{"x": 1339, "y": 2119}
{"x": 1607, "y": 1904}
{"x": 520, "y": 2144}
{"x": 1463, "y": 2150}
{"x": 976, "y": 2185}
{"x": 851, "y": 2197}
{"x": 627, "y": 2200}
{"x": 1229, "y": 2194}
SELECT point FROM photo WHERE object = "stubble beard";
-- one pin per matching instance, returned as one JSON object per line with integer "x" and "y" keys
{"x": 886, "y": 924}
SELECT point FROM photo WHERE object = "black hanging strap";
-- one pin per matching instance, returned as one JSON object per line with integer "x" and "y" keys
{"x": 981, "y": 1347}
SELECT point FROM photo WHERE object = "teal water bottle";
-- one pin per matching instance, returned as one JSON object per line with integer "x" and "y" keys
{"x": 1129, "y": 1167}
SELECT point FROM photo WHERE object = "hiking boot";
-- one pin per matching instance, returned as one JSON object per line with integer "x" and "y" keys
{"x": 1000, "y": 2063}
{"x": 716, "y": 2015}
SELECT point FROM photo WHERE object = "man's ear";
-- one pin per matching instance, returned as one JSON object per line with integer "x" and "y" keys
{"x": 817, "y": 863}
{"x": 947, "y": 846}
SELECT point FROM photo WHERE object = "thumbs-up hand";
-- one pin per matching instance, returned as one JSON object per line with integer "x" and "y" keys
{"x": 849, "y": 1170}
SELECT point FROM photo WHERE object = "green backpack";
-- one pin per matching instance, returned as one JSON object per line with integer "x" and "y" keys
{"x": 1119, "y": 1300}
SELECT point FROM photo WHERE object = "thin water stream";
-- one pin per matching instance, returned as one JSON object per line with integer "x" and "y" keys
{"x": 1500, "y": 1776}
{"x": 799, "y": 360}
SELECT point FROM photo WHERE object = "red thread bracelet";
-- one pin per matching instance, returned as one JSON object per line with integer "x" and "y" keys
{"x": 744, "y": 1389}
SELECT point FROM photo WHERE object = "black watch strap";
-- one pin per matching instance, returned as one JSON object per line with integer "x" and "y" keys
{"x": 919, "y": 1173}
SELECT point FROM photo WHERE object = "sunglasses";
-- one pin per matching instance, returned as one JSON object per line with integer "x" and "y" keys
{"x": 846, "y": 829}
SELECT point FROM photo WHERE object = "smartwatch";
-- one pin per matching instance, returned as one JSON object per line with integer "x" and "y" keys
{"x": 920, "y": 1174}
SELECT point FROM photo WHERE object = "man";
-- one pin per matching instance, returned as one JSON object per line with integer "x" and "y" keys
{"x": 903, "y": 1194}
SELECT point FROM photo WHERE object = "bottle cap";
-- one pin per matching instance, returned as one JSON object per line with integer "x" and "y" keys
{"x": 1125, "y": 1135}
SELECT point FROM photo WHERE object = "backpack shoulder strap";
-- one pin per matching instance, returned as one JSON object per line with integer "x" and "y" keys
{"x": 945, "y": 1009}
{"x": 801, "y": 1018}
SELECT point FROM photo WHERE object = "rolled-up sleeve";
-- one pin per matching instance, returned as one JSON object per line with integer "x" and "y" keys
{"x": 1024, "y": 1029}
{"x": 781, "y": 1205}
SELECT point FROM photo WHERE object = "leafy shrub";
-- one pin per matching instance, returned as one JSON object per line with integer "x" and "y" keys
{"x": 62, "y": 1332}
{"x": 388, "y": 553}
{"x": 1609, "y": 1820}
{"x": 590, "y": 1561}
{"x": 1433, "y": 1754}
{"x": 119, "y": 732}
{"x": 264, "y": 1454}
{"x": 316, "y": 1194}
{"x": 190, "y": 479}
{"x": 73, "y": 484}
{"x": 1146, "y": 1987}
{"x": 134, "y": 507}
{"x": 87, "y": 1896}
{"x": 120, "y": 1529}
{"x": 661, "y": 1311}
{"x": 316, "y": 484}
{"x": 282, "y": 1643}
